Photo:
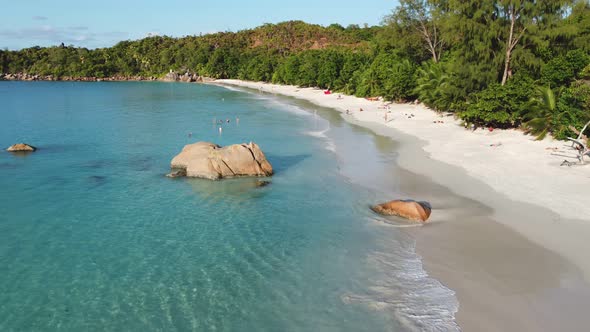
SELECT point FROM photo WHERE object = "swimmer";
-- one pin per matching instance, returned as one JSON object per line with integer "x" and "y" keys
{"x": 227, "y": 120}
{"x": 190, "y": 134}
{"x": 220, "y": 130}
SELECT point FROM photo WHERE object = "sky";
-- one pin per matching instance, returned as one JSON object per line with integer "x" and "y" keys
{"x": 102, "y": 23}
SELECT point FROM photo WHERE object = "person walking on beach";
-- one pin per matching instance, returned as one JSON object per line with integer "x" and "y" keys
{"x": 385, "y": 117}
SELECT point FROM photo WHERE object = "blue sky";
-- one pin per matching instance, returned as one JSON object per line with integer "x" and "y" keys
{"x": 102, "y": 23}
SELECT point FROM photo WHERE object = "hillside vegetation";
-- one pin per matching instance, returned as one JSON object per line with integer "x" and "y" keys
{"x": 494, "y": 63}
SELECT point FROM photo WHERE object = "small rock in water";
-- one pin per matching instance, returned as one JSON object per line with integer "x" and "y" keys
{"x": 21, "y": 147}
{"x": 262, "y": 183}
{"x": 176, "y": 173}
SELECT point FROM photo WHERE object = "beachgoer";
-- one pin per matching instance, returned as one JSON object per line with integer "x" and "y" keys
{"x": 220, "y": 130}
{"x": 385, "y": 117}
{"x": 227, "y": 120}
{"x": 237, "y": 120}
{"x": 361, "y": 109}
{"x": 190, "y": 134}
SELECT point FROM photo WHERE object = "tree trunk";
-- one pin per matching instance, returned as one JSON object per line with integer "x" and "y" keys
{"x": 583, "y": 129}
{"x": 506, "y": 66}
{"x": 509, "y": 46}
{"x": 434, "y": 57}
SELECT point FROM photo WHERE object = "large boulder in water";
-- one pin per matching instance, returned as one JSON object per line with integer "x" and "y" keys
{"x": 211, "y": 161}
{"x": 409, "y": 209}
{"x": 21, "y": 147}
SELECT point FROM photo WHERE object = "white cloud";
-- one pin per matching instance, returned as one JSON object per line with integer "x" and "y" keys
{"x": 80, "y": 35}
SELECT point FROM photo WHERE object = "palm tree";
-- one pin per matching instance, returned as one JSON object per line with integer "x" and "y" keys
{"x": 539, "y": 118}
{"x": 431, "y": 82}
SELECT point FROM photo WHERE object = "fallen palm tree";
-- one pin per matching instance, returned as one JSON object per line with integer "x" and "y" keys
{"x": 580, "y": 144}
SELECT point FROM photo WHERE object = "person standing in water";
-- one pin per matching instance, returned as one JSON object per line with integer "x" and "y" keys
{"x": 237, "y": 120}
{"x": 220, "y": 130}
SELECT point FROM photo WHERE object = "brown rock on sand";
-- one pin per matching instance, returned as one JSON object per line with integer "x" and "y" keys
{"x": 20, "y": 147}
{"x": 409, "y": 209}
{"x": 211, "y": 161}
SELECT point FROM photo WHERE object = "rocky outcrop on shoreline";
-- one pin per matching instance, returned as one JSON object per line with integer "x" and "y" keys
{"x": 187, "y": 77}
{"x": 170, "y": 77}
{"x": 211, "y": 161}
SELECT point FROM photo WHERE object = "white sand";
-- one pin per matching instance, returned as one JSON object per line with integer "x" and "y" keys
{"x": 522, "y": 168}
{"x": 518, "y": 166}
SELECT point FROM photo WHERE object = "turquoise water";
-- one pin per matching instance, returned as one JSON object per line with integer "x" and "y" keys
{"x": 94, "y": 237}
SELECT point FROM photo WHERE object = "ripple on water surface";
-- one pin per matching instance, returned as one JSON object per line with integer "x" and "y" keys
{"x": 94, "y": 237}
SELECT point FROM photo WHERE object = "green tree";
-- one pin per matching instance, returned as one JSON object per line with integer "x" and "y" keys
{"x": 421, "y": 17}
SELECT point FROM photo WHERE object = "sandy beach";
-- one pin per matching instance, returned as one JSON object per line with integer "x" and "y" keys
{"x": 516, "y": 256}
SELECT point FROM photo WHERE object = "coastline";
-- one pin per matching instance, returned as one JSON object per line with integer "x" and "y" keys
{"x": 170, "y": 77}
{"x": 483, "y": 251}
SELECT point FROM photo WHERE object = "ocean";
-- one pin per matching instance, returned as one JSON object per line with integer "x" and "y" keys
{"x": 93, "y": 236}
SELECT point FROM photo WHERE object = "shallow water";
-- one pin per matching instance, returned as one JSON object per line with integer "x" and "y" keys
{"x": 94, "y": 237}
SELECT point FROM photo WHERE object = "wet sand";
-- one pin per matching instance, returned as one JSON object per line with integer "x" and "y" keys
{"x": 498, "y": 254}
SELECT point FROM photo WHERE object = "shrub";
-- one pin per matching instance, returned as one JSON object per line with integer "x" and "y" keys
{"x": 500, "y": 106}
{"x": 573, "y": 110}
{"x": 401, "y": 81}
{"x": 562, "y": 70}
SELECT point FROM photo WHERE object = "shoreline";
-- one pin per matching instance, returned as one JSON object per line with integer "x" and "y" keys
{"x": 512, "y": 263}
{"x": 170, "y": 77}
